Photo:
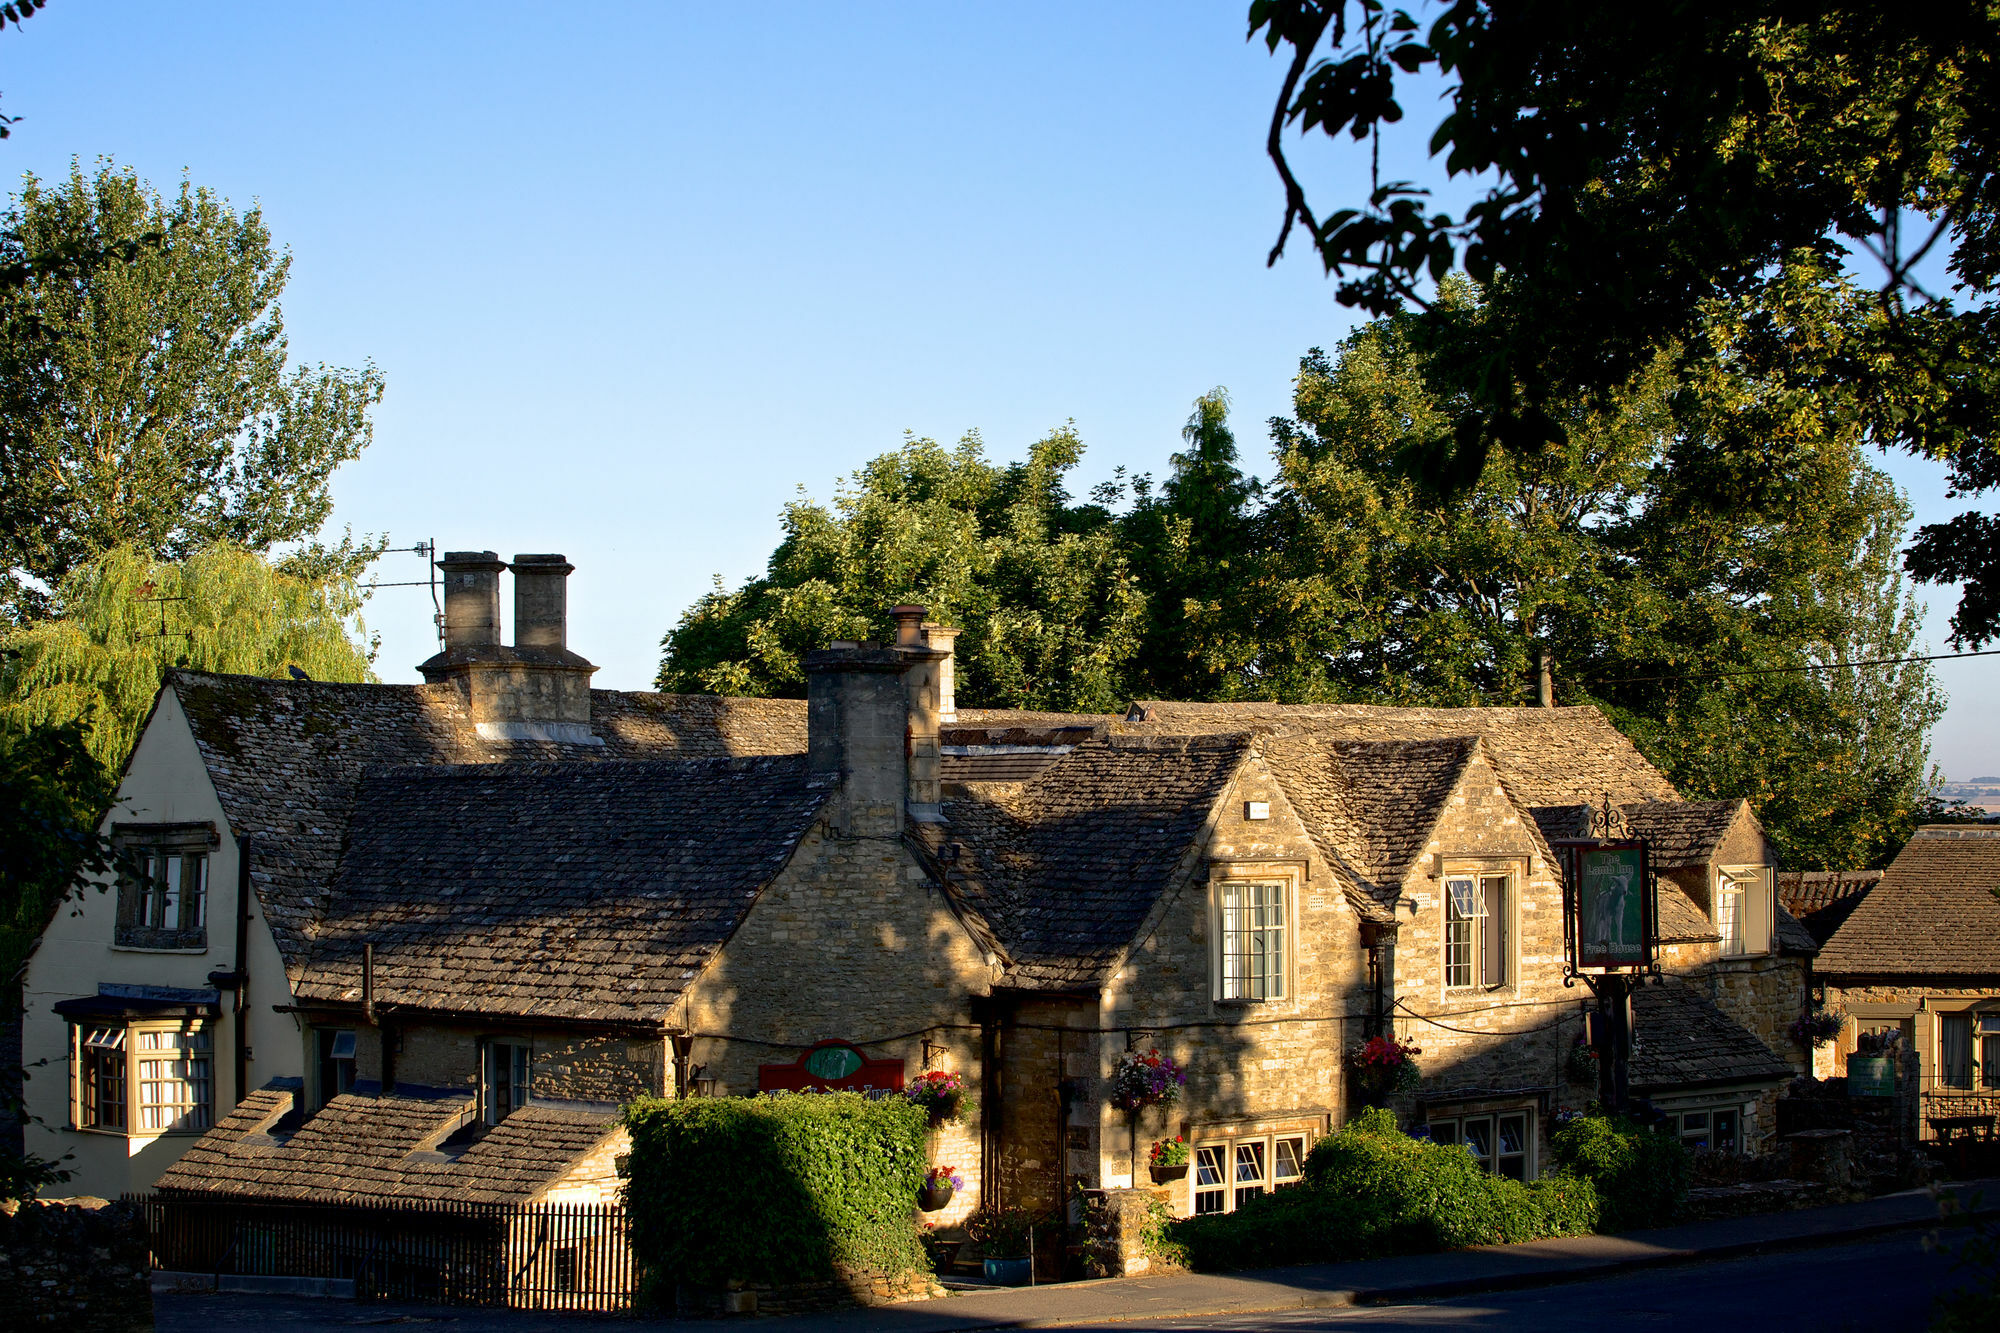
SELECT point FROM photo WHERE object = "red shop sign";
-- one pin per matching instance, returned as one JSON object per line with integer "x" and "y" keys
{"x": 831, "y": 1066}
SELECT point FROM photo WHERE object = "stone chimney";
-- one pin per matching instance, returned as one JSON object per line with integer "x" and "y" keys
{"x": 471, "y": 598}
{"x": 944, "y": 639}
{"x": 535, "y": 690}
{"x": 871, "y": 716}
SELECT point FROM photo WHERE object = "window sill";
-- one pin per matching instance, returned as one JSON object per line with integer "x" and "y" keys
{"x": 165, "y": 948}
{"x": 1247, "y": 1003}
{"x": 147, "y": 1134}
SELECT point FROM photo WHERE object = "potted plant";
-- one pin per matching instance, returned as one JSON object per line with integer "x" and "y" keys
{"x": 940, "y": 1092}
{"x": 1169, "y": 1159}
{"x": 1006, "y": 1237}
{"x": 1582, "y": 1066}
{"x": 940, "y": 1183}
{"x": 1385, "y": 1066}
{"x": 1814, "y": 1028}
{"x": 1142, "y": 1080}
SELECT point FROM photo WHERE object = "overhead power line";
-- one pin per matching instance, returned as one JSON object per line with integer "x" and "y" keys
{"x": 1794, "y": 670}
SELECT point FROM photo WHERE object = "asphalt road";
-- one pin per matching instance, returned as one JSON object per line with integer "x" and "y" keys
{"x": 1884, "y": 1285}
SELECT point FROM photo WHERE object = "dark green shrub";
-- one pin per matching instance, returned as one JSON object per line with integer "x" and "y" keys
{"x": 1641, "y": 1175}
{"x": 1372, "y": 1190}
{"x": 773, "y": 1189}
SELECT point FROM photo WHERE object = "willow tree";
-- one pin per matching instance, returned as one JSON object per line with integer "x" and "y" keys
{"x": 124, "y": 618}
{"x": 145, "y": 397}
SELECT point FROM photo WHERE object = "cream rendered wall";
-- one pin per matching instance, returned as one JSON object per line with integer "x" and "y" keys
{"x": 165, "y": 782}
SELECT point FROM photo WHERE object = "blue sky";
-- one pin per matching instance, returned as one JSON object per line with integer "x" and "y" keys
{"x": 634, "y": 273}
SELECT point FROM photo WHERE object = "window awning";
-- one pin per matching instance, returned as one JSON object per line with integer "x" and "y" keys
{"x": 97, "y": 1008}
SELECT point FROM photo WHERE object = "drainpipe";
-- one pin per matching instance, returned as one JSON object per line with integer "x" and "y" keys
{"x": 242, "y": 1023}
{"x": 238, "y": 978}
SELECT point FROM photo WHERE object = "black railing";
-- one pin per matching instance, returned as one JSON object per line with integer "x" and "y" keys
{"x": 546, "y": 1256}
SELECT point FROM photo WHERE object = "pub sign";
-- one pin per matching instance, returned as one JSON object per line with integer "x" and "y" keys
{"x": 1608, "y": 896}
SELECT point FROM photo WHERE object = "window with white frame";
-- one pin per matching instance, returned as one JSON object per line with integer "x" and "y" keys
{"x": 1711, "y": 1128}
{"x": 1501, "y": 1141}
{"x": 1228, "y": 1173}
{"x": 170, "y": 1068}
{"x": 163, "y": 885}
{"x": 1743, "y": 909}
{"x": 1250, "y": 931}
{"x": 1476, "y": 935}
{"x": 336, "y": 1062}
{"x": 509, "y": 1066}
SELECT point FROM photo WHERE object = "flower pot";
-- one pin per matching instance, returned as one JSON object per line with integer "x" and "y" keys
{"x": 946, "y": 1108}
{"x": 1009, "y": 1272}
{"x": 933, "y": 1195}
{"x": 1163, "y": 1174}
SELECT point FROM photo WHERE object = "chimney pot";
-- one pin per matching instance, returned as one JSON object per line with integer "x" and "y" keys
{"x": 909, "y": 625}
{"x": 471, "y": 598}
{"x": 541, "y": 601}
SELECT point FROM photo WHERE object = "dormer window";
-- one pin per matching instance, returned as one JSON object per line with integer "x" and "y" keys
{"x": 504, "y": 1087}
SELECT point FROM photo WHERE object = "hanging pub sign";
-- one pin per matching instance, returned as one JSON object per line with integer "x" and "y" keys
{"x": 832, "y": 1066}
{"x": 1610, "y": 906}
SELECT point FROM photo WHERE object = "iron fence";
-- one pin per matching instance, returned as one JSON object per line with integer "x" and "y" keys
{"x": 545, "y": 1256}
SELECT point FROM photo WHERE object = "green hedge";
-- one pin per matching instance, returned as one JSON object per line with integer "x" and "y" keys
{"x": 1641, "y": 1175}
{"x": 1371, "y": 1190}
{"x": 773, "y": 1189}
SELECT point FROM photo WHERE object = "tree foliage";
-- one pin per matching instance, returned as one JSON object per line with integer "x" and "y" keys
{"x": 1040, "y": 587}
{"x": 1638, "y": 165}
{"x": 1609, "y": 556}
{"x": 144, "y": 394}
{"x": 124, "y": 618}
{"x": 53, "y": 792}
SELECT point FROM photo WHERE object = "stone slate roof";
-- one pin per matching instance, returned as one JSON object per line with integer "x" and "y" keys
{"x": 1062, "y": 869}
{"x": 1792, "y": 936}
{"x": 1549, "y": 756}
{"x": 386, "y": 1148}
{"x": 1681, "y": 921}
{"x": 576, "y": 890}
{"x": 285, "y": 757}
{"x": 1683, "y": 1040}
{"x": 1934, "y": 913}
{"x": 1682, "y": 834}
{"x": 1823, "y": 899}
{"x": 1369, "y": 805}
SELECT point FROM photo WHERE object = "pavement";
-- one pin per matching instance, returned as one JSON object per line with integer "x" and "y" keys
{"x": 1405, "y": 1278}
{"x": 1402, "y": 1280}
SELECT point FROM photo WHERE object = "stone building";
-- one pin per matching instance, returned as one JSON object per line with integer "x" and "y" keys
{"x": 1917, "y": 953}
{"x": 501, "y": 892}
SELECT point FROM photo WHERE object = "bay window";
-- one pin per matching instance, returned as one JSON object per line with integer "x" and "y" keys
{"x": 143, "y": 1079}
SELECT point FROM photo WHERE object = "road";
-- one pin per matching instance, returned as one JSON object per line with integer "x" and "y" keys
{"x": 1885, "y": 1285}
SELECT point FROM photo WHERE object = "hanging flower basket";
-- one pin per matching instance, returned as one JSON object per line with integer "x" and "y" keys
{"x": 1168, "y": 1160}
{"x": 940, "y": 1092}
{"x": 1581, "y": 1065}
{"x": 1815, "y": 1028}
{"x": 939, "y": 1185}
{"x": 1386, "y": 1066}
{"x": 1142, "y": 1080}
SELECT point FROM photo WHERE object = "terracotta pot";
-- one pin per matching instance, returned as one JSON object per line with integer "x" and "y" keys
{"x": 932, "y": 1196}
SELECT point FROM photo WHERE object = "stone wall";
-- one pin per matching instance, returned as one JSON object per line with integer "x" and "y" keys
{"x": 565, "y": 1066}
{"x": 1244, "y": 1060}
{"x": 74, "y": 1267}
{"x": 850, "y": 942}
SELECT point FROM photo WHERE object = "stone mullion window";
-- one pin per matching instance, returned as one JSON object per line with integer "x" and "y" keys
{"x": 1228, "y": 1173}
{"x": 1476, "y": 944}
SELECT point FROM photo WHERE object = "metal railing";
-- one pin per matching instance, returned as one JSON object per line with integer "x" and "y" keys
{"x": 545, "y": 1256}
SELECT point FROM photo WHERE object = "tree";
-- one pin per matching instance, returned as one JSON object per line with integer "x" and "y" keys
{"x": 1637, "y": 165}
{"x": 1607, "y": 561}
{"x": 1192, "y": 547}
{"x": 1050, "y": 613}
{"x": 144, "y": 395}
{"x": 124, "y": 618}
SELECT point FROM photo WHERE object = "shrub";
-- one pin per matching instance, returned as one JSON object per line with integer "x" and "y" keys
{"x": 1372, "y": 1190}
{"x": 1641, "y": 1175}
{"x": 776, "y": 1189}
